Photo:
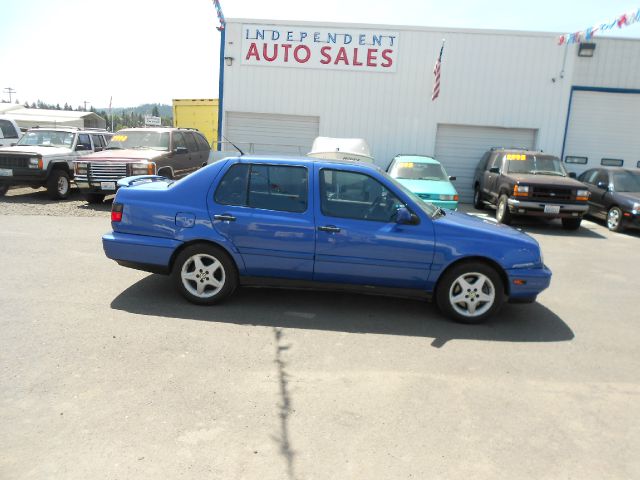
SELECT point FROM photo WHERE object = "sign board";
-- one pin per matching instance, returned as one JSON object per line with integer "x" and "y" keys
{"x": 151, "y": 121}
{"x": 354, "y": 49}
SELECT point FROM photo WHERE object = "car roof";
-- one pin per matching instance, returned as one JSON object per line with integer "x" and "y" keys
{"x": 521, "y": 150}
{"x": 417, "y": 158}
{"x": 289, "y": 159}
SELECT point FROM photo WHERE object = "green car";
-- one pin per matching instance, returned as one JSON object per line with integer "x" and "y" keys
{"x": 425, "y": 177}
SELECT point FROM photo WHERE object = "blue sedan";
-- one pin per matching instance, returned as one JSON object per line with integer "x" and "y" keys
{"x": 303, "y": 222}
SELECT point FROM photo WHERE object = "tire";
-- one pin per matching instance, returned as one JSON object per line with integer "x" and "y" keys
{"x": 58, "y": 184}
{"x": 192, "y": 271}
{"x": 571, "y": 223}
{"x": 478, "y": 204}
{"x": 614, "y": 219}
{"x": 94, "y": 198}
{"x": 166, "y": 172}
{"x": 470, "y": 292}
{"x": 503, "y": 215}
{"x": 4, "y": 188}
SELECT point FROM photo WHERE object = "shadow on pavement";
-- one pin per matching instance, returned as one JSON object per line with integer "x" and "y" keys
{"x": 155, "y": 295}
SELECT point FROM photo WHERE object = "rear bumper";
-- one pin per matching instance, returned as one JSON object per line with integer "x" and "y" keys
{"x": 526, "y": 283}
{"x": 525, "y": 207}
{"x": 152, "y": 254}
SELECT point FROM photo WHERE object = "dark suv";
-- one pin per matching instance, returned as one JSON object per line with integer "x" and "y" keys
{"x": 170, "y": 152}
{"x": 524, "y": 182}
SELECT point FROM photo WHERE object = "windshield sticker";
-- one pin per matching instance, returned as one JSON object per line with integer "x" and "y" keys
{"x": 516, "y": 156}
{"x": 119, "y": 138}
{"x": 406, "y": 165}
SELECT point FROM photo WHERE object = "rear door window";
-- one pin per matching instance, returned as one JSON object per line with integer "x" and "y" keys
{"x": 202, "y": 142}
{"x": 278, "y": 187}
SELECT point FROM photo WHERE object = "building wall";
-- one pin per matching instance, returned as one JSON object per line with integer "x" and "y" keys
{"x": 615, "y": 64}
{"x": 489, "y": 78}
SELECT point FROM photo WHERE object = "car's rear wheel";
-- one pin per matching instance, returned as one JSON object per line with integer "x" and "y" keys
{"x": 58, "y": 184}
{"x": 470, "y": 292}
{"x": 205, "y": 274}
{"x": 571, "y": 223}
{"x": 95, "y": 198}
{"x": 503, "y": 215}
{"x": 614, "y": 219}
{"x": 477, "y": 198}
{"x": 4, "y": 188}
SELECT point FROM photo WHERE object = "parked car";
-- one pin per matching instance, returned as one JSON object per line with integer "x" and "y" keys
{"x": 44, "y": 157}
{"x": 169, "y": 152}
{"x": 525, "y": 182}
{"x": 304, "y": 222}
{"x": 615, "y": 196}
{"x": 425, "y": 177}
{"x": 10, "y": 132}
{"x": 335, "y": 148}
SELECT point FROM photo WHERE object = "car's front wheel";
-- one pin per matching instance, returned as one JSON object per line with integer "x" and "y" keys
{"x": 94, "y": 198}
{"x": 571, "y": 223}
{"x": 470, "y": 292}
{"x": 58, "y": 184}
{"x": 4, "y": 188}
{"x": 477, "y": 198}
{"x": 503, "y": 215}
{"x": 205, "y": 274}
{"x": 614, "y": 219}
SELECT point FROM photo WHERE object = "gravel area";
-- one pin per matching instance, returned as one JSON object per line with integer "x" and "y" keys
{"x": 29, "y": 201}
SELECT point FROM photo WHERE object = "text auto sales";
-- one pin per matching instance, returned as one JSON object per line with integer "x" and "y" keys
{"x": 322, "y": 47}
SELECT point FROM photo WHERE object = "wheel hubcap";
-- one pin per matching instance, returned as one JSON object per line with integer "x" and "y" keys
{"x": 501, "y": 207}
{"x": 63, "y": 185}
{"x": 613, "y": 219}
{"x": 203, "y": 275}
{"x": 472, "y": 294}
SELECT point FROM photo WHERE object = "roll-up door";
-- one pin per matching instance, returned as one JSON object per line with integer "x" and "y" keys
{"x": 603, "y": 125}
{"x": 460, "y": 147}
{"x": 262, "y": 133}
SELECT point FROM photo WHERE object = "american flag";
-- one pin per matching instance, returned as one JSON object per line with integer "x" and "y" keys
{"x": 436, "y": 73}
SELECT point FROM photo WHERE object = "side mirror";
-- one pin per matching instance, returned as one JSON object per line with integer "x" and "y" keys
{"x": 180, "y": 150}
{"x": 452, "y": 178}
{"x": 572, "y": 175}
{"x": 494, "y": 170}
{"x": 602, "y": 185}
{"x": 403, "y": 216}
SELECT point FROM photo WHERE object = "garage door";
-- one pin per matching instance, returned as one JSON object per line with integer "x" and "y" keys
{"x": 460, "y": 147}
{"x": 603, "y": 125}
{"x": 270, "y": 133}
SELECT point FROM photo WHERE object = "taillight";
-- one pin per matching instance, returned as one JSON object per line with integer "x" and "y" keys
{"x": 116, "y": 212}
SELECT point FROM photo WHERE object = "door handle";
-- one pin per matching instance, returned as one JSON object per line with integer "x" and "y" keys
{"x": 225, "y": 218}
{"x": 329, "y": 228}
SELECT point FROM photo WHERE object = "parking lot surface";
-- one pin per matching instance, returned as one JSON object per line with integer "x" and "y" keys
{"x": 106, "y": 372}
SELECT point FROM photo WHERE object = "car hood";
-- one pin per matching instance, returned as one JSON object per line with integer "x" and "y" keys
{"x": 540, "y": 179}
{"x": 36, "y": 150}
{"x": 442, "y": 187}
{"x": 123, "y": 155}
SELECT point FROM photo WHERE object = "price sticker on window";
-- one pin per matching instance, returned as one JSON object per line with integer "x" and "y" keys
{"x": 516, "y": 156}
{"x": 119, "y": 138}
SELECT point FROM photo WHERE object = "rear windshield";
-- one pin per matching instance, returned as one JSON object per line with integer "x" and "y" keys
{"x": 417, "y": 171}
{"x": 534, "y": 164}
{"x": 139, "y": 140}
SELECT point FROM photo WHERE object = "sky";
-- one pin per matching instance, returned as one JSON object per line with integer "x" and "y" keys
{"x": 152, "y": 51}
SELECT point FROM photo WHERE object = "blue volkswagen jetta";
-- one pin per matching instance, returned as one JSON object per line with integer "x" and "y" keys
{"x": 304, "y": 222}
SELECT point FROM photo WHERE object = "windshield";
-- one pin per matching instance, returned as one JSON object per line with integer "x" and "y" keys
{"x": 417, "y": 171}
{"x": 626, "y": 181}
{"x": 140, "y": 139}
{"x": 535, "y": 164}
{"x": 47, "y": 138}
{"x": 425, "y": 206}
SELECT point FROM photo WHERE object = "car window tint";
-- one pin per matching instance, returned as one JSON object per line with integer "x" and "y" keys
{"x": 602, "y": 176}
{"x": 97, "y": 141}
{"x": 589, "y": 176}
{"x": 357, "y": 196}
{"x": 282, "y": 188}
{"x": 8, "y": 131}
{"x": 232, "y": 189}
{"x": 494, "y": 161}
{"x": 83, "y": 139}
{"x": 203, "y": 145}
{"x": 191, "y": 142}
{"x": 178, "y": 140}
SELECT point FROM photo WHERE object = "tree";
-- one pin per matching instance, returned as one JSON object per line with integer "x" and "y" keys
{"x": 155, "y": 112}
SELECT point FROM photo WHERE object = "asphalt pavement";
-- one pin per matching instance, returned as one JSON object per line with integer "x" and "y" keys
{"x": 107, "y": 373}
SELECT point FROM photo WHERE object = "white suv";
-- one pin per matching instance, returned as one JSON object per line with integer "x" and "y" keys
{"x": 44, "y": 157}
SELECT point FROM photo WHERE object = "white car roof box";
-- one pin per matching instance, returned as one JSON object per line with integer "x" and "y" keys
{"x": 332, "y": 148}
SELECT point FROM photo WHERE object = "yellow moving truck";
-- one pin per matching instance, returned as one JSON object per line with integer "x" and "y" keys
{"x": 199, "y": 113}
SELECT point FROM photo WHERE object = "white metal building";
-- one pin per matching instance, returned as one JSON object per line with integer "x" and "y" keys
{"x": 32, "y": 117}
{"x": 284, "y": 83}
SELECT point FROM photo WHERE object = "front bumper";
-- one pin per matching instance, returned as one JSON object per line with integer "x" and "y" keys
{"x": 527, "y": 207}
{"x": 527, "y": 283}
{"x": 142, "y": 252}
{"x": 105, "y": 188}
{"x": 24, "y": 176}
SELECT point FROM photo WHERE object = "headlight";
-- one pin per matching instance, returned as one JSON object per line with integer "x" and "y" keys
{"x": 448, "y": 197}
{"x": 81, "y": 168}
{"x": 583, "y": 195}
{"x": 35, "y": 162}
{"x": 143, "y": 168}
{"x": 520, "y": 190}
{"x": 636, "y": 209}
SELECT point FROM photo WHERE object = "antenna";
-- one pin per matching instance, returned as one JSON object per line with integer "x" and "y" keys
{"x": 234, "y": 145}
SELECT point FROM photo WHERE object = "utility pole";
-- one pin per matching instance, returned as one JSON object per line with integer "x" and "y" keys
{"x": 9, "y": 90}
{"x": 85, "y": 105}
